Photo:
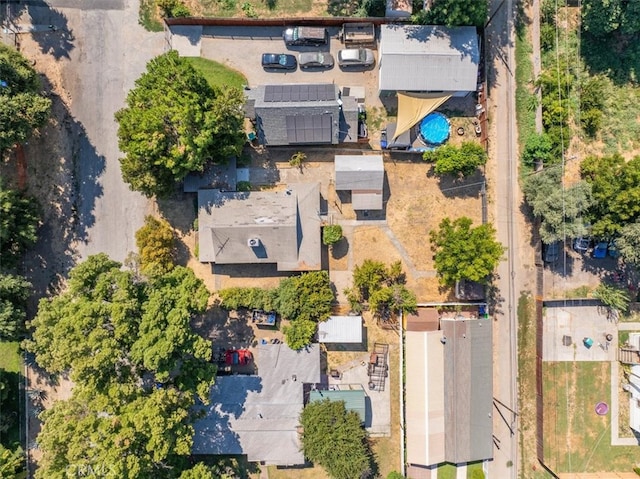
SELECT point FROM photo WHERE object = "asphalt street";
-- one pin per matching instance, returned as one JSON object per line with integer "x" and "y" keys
{"x": 104, "y": 51}
{"x": 501, "y": 58}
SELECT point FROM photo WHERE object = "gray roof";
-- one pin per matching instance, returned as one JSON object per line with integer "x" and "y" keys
{"x": 428, "y": 58}
{"x": 359, "y": 172}
{"x": 366, "y": 200}
{"x": 291, "y": 114}
{"x": 221, "y": 176}
{"x": 259, "y": 415}
{"x": 340, "y": 329}
{"x": 468, "y": 391}
{"x": 280, "y": 227}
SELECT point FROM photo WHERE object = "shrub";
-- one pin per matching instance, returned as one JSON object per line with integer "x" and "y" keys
{"x": 453, "y": 160}
{"x": 156, "y": 244}
{"x": 173, "y": 8}
{"x": 537, "y": 149}
{"x": 331, "y": 234}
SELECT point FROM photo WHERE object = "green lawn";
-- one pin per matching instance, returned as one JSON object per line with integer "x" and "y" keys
{"x": 576, "y": 439}
{"x": 216, "y": 73}
{"x": 447, "y": 471}
{"x": 11, "y": 364}
{"x": 10, "y": 356}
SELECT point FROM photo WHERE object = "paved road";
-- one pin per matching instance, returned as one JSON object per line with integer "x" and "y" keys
{"x": 102, "y": 50}
{"x": 500, "y": 35}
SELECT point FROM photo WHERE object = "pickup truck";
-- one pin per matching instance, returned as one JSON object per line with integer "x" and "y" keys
{"x": 300, "y": 36}
{"x": 358, "y": 34}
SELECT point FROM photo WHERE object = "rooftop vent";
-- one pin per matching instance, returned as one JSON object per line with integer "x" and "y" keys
{"x": 253, "y": 242}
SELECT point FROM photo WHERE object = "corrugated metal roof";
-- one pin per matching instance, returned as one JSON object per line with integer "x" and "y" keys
{"x": 634, "y": 400}
{"x": 359, "y": 172}
{"x": 354, "y": 399}
{"x": 424, "y": 398}
{"x": 340, "y": 329}
{"x": 468, "y": 392}
{"x": 428, "y": 58}
{"x": 369, "y": 200}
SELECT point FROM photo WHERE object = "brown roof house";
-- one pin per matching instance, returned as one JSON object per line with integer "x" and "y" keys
{"x": 449, "y": 392}
{"x": 363, "y": 175}
{"x": 277, "y": 227}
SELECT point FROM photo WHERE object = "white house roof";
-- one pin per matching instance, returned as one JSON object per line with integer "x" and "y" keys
{"x": 340, "y": 329}
{"x": 428, "y": 58}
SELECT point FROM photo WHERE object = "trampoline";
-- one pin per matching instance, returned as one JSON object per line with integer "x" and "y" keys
{"x": 433, "y": 129}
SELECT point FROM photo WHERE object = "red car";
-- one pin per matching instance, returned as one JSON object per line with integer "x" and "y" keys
{"x": 237, "y": 357}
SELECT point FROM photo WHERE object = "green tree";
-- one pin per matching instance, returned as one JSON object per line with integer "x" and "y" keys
{"x": 305, "y": 297}
{"x": 136, "y": 365}
{"x": 299, "y": 333}
{"x": 335, "y": 439}
{"x": 616, "y": 192}
{"x": 11, "y": 462}
{"x": 454, "y": 13}
{"x": 464, "y": 252}
{"x": 369, "y": 277}
{"x": 393, "y": 298}
{"x": 173, "y": 8}
{"x": 23, "y": 107}
{"x": 156, "y": 244}
{"x": 14, "y": 291}
{"x": 331, "y": 234}
{"x": 248, "y": 298}
{"x": 628, "y": 243}
{"x": 174, "y": 122}
{"x": 562, "y": 210}
{"x": 537, "y": 150}
{"x": 453, "y": 160}
{"x": 19, "y": 221}
{"x": 297, "y": 160}
{"x": 615, "y": 298}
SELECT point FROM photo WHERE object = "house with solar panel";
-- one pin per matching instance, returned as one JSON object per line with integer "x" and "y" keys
{"x": 302, "y": 114}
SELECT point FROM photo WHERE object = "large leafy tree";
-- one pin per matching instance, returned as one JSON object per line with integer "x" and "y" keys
{"x": 174, "y": 122}
{"x": 453, "y": 160}
{"x": 305, "y": 297}
{"x": 562, "y": 211}
{"x": 628, "y": 243}
{"x": 454, "y": 13}
{"x": 335, "y": 439}
{"x": 616, "y": 192}
{"x": 137, "y": 368}
{"x": 19, "y": 221}
{"x": 23, "y": 108}
{"x": 463, "y": 251}
{"x": 14, "y": 291}
{"x": 156, "y": 245}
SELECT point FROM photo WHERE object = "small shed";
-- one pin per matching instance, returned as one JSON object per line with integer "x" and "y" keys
{"x": 363, "y": 175}
{"x": 341, "y": 329}
{"x": 354, "y": 399}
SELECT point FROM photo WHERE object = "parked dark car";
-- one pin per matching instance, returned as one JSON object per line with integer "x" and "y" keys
{"x": 315, "y": 60}
{"x": 551, "y": 252}
{"x": 279, "y": 61}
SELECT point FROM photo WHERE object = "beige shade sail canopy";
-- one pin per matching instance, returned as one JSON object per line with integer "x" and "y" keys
{"x": 413, "y": 107}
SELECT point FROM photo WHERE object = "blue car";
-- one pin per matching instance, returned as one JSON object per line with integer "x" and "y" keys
{"x": 600, "y": 250}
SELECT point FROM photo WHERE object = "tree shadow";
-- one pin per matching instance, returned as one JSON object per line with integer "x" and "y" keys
{"x": 616, "y": 56}
{"x": 181, "y": 211}
{"x": 340, "y": 249}
{"x": 466, "y": 187}
{"x": 49, "y": 27}
{"x": 63, "y": 174}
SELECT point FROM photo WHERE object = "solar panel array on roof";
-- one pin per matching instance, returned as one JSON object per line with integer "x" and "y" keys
{"x": 296, "y": 93}
{"x": 309, "y": 129}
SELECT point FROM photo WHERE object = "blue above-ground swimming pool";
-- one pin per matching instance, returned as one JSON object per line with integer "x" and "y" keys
{"x": 434, "y": 129}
